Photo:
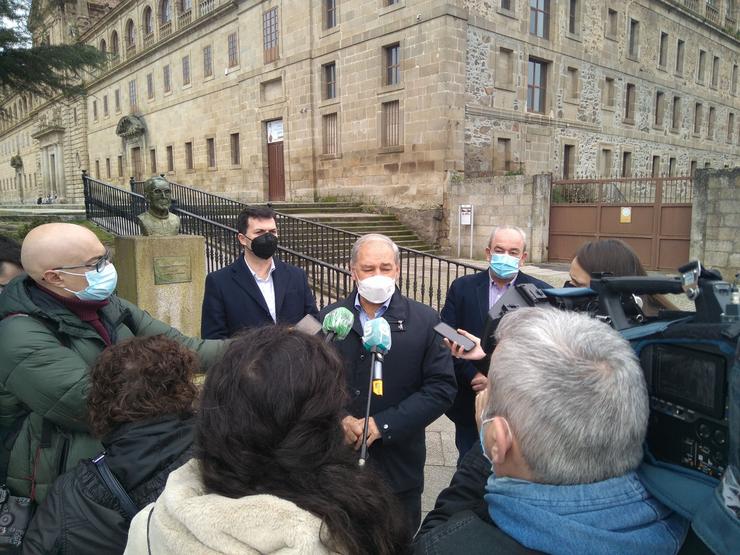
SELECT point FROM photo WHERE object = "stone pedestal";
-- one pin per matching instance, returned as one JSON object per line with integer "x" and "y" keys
{"x": 164, "y": 276}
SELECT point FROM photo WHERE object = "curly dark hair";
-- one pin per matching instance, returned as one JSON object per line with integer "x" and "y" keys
{"x": 138, "y": 379}
{"x": 269, "y": 423}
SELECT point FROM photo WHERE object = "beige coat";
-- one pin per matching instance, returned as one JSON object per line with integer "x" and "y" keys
{"x": 186, "y": 520}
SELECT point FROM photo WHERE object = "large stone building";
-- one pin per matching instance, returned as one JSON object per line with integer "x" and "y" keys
{"x": 384, "y": 100}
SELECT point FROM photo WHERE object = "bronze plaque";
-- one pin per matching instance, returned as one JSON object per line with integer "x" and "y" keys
{"x": 172, "y": 269}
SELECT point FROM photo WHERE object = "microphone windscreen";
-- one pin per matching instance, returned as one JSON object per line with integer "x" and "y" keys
{"x": 377, "y": 335}
{"x": 339, "y": 321}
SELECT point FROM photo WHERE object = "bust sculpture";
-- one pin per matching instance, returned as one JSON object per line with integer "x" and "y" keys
{"x": 158, "y": 220}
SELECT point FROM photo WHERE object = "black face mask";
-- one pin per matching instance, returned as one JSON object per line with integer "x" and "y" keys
{"x": 265, "y": 245}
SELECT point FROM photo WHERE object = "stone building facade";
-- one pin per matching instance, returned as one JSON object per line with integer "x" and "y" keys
{"x": 382, "y": 100}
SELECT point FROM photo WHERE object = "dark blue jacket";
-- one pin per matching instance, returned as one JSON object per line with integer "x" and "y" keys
{"x": 466, "y": 307}
{"x": 233, "y": 300}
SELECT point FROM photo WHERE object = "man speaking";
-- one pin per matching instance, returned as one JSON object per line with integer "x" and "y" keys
{"x": 418, "y": 382}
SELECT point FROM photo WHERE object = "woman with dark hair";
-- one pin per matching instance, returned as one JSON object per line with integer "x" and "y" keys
{"x": 272, "y": 473}
{"x": 141, "y": 406}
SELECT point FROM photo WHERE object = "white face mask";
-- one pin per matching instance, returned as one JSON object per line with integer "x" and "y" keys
{"x": 376, "y": 289}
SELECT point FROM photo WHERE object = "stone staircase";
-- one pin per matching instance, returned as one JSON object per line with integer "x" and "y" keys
{"x": 356, "y": 218}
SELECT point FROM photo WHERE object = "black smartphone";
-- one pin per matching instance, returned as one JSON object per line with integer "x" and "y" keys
{"x": 450, "y": 333}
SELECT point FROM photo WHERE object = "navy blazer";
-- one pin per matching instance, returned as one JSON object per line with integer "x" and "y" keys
{"x": 466, "y": 307}
{"x": 233, "y": 300}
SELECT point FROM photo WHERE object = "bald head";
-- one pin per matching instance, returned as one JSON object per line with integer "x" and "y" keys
{"x": 54, "y": 245}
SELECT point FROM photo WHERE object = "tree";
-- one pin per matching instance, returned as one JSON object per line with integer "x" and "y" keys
{"x": 42, "y": 69}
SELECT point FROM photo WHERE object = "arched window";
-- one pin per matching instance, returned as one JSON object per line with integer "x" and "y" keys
{"x": 165, "y": 11}
{"x": 130, "y": 34}
{"x": 114, "y": 43}
{"x": 148, "y": 23}
{"x": 103, "y": 46}
{"x": 185, "y": 5}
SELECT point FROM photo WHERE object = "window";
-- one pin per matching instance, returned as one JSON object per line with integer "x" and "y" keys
{"x": 148, "y": 21}
{"x": 715, "y": 72}
{"x": 730, "y": 126}
{"x": 629, "y": 103}
{"x": 626, "y": 164}
{"x": 165, "y": 12}
{"x": 733, "y": 80}
{"x": 170, "y": 159}
{"x": 120, "y": 166}
{"x": 610, "y": 28}
{"x": 233, "y": 50}
{"x": 569, "y": 161}
{"x": 185, "y": 70}
{"x": 536, "y": 86}
{"x": 392, "y": 64}
{"x": 270, "y": 35}
{"x": 634, "y": 38}
{"x": 186, "y": 6}
{"x": 655, "y": 171}
{"x": 114, "y": 44}
{"x": 132, "y": 94}
{"x": 150, "y": 85}
{"x": 504, "y": 76}
{"x": 605, "y": 165}
{"x": 659, "y": 108}
{"x": 697, "y": 118}
{"x": 679, "y": 56}
{"x": 330, "y": 14}
{"x": 330, "y": 80}
{"x": 391, "y": 2}
{"x": 707, "y": 165}
{"x": 710, "y": 123}
{"x": 701, "y": 69}
{"x": 130, "y": 35}
{"x": 692, "y": 168}
{"x": 95, "y": 109}
{"x": 105, "y": 105}
{"x": 97, "y": 169}
{"x": 676, "y": 116}
{"x": 539, "y": 18}
{"x": 506, "y": 5}
{"x": 663, "y": 52}
{"x": 574, "y": 17}
{"x": 103, "y": 46}
{"x": 235, "y": 152}
{"x": 207, "y": 61}
{"x": 117, "y": 99}
{"x": 330, "y": 134}
{"x": 671, "y": 167}
{"x": 211, "y": 152}
{"x": 189, "y": 155}
{"x": 107, "y": 168}
{"x": 573, "y": 83}
{"x": 502, "y": 162}
{"x": 166, "y": 78}
{"x": 153, "y": 160}
{"x": 391, "y": 123}
{"x": 608, "y": 93}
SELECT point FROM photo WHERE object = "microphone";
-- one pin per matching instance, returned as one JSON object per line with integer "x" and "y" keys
{"x": 337, "y": 324}
{"x": 376, "y": 338}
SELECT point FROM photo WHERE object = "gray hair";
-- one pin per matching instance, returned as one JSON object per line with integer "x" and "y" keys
{"x": 573, "y": 392}
{"x": 152, "y": 182}
{"x": 374, "y": 237}
{"x": 503, "y": 227}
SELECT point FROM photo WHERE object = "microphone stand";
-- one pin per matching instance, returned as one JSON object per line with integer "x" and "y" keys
{"x": 363, "y": 448}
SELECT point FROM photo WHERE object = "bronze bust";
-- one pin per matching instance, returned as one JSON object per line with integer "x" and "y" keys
{"x": 158, "y": 220}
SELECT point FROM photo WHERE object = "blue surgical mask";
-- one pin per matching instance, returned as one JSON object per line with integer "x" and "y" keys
{"x": 504, "y": 266}
{"x": 100, "y": 285}
{"x": 480, "y": 435}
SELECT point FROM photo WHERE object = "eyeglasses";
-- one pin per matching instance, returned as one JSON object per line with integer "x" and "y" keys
{"x": 98, "y": 265}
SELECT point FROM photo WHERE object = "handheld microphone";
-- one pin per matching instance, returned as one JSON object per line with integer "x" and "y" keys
{"x": 337, "y": 324}
{"x": 376, "y": 338}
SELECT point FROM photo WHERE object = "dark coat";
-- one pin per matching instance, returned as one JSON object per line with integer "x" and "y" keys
{"x": 80, "y": 515}
{"x": 418, "y": 386}
{"x": 466, "y": 307}
{"x": 233, "y": 300}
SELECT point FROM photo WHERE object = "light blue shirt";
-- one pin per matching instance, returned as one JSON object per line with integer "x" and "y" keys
{"x": 364, "y": 316}
{"x": 495, "y": 292}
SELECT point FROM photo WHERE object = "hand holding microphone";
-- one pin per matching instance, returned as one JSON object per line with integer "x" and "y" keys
{"x": 337, "y": 324}
{"x": 376, "y": 338}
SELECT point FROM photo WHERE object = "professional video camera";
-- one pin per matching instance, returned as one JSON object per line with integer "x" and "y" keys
{"x": 691, "y": 362}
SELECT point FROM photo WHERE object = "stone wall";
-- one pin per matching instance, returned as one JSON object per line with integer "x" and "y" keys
{"x": 514, "y": 200}
{"x": 715, "y": 220}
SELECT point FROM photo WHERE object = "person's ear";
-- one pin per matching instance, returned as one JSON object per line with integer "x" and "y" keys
{"x": 53, "y": 278}
{"x": 523, "y": 259}
{"x": 242, "y": 239}
{"x": 488, "y": 254}
{"x": 501, "y": 440}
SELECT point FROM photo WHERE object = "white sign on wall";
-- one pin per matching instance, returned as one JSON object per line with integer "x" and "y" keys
{"x": 275, "y": 131}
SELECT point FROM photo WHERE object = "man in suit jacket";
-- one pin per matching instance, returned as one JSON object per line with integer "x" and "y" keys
{"x": 257, "y": 289}
{"x": 466, "y": 307}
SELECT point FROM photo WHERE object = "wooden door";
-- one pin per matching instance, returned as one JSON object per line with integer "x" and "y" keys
{"x": 276, "y": 171}
{"x": 136, "y": 163}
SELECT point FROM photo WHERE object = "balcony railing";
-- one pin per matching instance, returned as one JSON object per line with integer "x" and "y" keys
{"x": 165, "y": 29}
{"x": 712, "y": 14}
{"x": 184, "y": 19}
{"x": 206, "y": 6}
{"x": 148, "y": 40}
{"x": 130, "y": 50}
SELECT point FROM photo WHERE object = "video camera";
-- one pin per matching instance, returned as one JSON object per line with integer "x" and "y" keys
{"x": 686, "y": 356}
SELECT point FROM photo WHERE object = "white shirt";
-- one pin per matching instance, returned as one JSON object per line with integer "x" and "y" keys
{"x": 267, "y": 287}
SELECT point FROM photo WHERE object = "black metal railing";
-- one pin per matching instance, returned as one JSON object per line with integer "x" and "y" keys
{"x": 424, "y": 277}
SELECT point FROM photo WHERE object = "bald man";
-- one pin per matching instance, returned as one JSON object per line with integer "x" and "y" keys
{"x": 55, "y": 323}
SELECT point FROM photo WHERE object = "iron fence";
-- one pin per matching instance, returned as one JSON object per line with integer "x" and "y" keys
{"x": 627, "y": 190}
{"x": 424, "y": 277}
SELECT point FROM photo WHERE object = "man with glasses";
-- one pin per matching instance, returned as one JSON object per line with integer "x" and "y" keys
{"x": 55, "y": 323}
{"x": 158, "y": 220}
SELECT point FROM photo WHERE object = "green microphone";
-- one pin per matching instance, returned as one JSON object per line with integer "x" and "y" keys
{"x": 337, "y": 324}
